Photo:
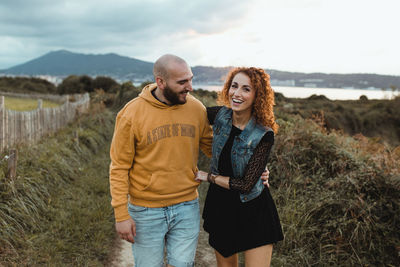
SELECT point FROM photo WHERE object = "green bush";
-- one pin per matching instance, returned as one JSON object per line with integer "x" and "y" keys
{"x": 372, "y": 118}
{"x": 125, "y": 93}
{"x": 80, "y": 84}
{"x": 208, "y": 98}
{"x": 338, "y": 202}
{"x": 71, "y": 85}
{"x": 26, "y": 85}
{"x": 105, "y": 83}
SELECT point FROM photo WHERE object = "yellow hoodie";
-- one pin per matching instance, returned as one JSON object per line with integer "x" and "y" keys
{"x": 154, "y": 152}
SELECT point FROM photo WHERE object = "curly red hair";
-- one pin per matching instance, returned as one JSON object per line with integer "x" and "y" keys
{"x": 263, "y": 106}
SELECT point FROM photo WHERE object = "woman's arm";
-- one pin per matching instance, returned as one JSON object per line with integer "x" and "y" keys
{"x": 255, "y": 168}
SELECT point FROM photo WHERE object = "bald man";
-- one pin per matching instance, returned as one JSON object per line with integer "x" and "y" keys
{"x": 154, "y": 155}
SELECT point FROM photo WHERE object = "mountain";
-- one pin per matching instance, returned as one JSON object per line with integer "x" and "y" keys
{"x": 63, "y": 63}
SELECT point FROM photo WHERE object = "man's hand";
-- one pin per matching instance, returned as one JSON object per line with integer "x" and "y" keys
{"x": 265, "y": 177}
{"x": 126, "y": 230}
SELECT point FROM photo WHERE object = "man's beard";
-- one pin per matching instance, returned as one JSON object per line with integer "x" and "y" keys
{"x": 172, "y": 97}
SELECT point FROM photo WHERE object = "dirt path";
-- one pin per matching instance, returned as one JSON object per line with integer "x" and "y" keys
{"x": 124, "y": 257}
{"x": 205, "y": 256}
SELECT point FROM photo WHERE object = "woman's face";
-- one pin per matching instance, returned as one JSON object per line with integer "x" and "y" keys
{"x": 241, "y": 93}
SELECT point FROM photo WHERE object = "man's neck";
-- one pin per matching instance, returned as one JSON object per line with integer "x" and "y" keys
{"x": 159, "y": 96}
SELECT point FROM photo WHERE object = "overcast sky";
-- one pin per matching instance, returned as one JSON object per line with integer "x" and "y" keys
{"x": 331, "y": 36}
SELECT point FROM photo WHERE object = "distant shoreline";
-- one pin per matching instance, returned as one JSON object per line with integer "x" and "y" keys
{"x": 331, "y": 93}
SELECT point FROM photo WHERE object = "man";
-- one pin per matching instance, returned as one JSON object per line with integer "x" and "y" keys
{"x": 154, "y": 156}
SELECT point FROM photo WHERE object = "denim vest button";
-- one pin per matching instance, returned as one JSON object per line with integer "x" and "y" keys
{"x": 245, "y": 198}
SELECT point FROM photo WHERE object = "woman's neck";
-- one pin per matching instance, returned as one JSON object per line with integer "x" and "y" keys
{"x": 240, "y": 119}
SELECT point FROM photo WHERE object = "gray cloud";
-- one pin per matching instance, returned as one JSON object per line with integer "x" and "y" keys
{"x": 103, "y": 26}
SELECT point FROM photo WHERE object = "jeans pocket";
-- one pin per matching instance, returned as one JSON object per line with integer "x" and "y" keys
{"x": 136, "y": 208}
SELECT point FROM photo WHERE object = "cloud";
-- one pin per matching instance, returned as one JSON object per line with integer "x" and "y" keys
{"x": 104, "y": 26}
{"x": 293, "y": 35}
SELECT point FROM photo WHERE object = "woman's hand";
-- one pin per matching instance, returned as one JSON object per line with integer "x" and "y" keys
{"x": 265, "y": 177}
{"x": 201, "y": 176}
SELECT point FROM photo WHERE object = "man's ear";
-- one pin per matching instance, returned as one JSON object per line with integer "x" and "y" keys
{"x": 160, "y": 82}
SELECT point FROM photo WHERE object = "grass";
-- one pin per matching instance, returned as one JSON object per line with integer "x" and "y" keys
{"x": 26, "y": 104}
{"x": 372, "y": 118}
{"x": 57, "y": 211}
{"x": 338, "y": 196}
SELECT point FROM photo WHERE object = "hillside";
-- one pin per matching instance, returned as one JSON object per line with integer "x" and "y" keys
{"x": 63, "y": 63}
{"x": 378, "y": 119}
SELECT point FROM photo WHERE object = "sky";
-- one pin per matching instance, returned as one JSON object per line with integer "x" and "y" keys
{"x": 329, "y": 36}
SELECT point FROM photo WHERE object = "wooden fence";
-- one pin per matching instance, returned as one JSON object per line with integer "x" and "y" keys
{"x": 27, "y": 127}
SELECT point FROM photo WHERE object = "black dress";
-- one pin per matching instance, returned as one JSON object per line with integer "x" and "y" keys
{"x": 236, "y": 226}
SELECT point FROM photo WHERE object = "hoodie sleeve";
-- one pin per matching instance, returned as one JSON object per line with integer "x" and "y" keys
{"x": 122, "y": 153}
{"x": 207, "y": 135}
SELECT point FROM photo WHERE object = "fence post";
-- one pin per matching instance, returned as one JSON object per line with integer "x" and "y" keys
{"x": 2, "y": 123}
{"x": 39, "y": 126}
{"x": 12, "y": 164}
{"x": 76, "y": 137}
{"x": 40, "y": 103}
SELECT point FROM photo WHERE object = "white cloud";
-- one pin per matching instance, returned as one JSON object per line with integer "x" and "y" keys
{"x": 295, "y": 35}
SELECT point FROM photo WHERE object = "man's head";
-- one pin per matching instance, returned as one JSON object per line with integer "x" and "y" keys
{"x": 174, "y": 79}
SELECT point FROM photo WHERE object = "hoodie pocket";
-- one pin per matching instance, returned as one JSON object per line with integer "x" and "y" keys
{"x": 171, "y": 182}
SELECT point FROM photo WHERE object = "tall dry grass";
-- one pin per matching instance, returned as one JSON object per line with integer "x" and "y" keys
{"x": 338, "y": 197}
{"x": 57, "y": 211}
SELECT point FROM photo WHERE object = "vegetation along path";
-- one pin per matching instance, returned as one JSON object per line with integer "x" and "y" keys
{"x": 57, "y": 211}
{"x": 338, "y": 195}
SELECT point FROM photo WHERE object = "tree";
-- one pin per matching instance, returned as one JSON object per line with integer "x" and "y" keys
{"x": 87, "y": 83}
{"x": 363, "y": 98}
{"x": 105, "y": 83}
{"x": 71, "y": 85}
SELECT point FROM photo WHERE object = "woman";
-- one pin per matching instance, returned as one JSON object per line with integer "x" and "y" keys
{"x": 239, "y": 212}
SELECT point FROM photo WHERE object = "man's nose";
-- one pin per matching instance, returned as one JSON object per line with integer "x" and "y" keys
{"x": 189, "y": 87}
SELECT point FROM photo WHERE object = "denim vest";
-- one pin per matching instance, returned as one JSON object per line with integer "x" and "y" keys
{"x": 242, "y": 148}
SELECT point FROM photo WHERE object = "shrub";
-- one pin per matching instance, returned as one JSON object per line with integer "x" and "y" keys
{"x": 26, "y": 85}
{"x": 71, "y": 85}
{"x": 338, "y": 198}
{"x": 105, "y": 83}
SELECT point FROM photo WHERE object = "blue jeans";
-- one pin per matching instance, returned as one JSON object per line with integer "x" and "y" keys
{"x": 174, "y": 227}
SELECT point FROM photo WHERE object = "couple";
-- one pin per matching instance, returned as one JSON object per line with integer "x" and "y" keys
{"x": 154, "y": 175}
